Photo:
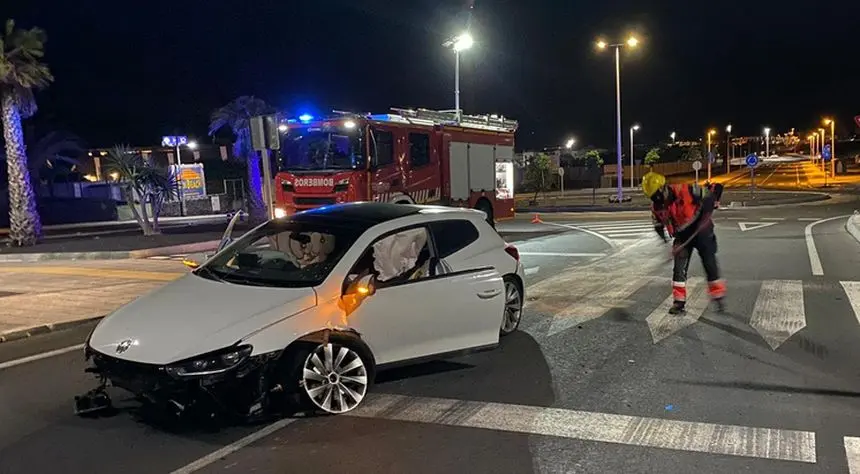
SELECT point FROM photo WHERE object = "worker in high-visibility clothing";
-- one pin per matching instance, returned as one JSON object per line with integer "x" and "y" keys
{"x": 684, "y": 212}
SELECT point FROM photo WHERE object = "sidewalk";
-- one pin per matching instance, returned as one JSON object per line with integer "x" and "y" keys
{"x": 121, "y": 244}
{"x": 37, "y": 298}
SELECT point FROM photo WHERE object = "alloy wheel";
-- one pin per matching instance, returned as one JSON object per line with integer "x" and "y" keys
{"x": 335, "y": 378}
{"x": 513, "y": 307}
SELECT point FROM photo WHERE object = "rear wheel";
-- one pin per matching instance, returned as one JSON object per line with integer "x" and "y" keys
{"x": 513, "y": 311}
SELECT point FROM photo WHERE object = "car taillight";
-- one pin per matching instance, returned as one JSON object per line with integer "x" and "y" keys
{"x": 513, "y": 252}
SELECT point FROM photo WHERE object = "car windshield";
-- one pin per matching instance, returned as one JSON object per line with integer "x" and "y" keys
{"x": 315, "y": 148}
{"x": 281, "y": 254}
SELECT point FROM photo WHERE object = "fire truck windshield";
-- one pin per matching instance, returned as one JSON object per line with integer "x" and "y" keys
{"x": 318, "y": 149}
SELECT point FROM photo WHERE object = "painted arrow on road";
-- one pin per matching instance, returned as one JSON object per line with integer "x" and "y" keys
{"x": 777, "y": 315}
{"x": 662, "y": 324}
{"x": 745, "y": 226}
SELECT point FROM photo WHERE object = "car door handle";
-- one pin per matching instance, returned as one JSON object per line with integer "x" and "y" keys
{"x": 487, "y": 294}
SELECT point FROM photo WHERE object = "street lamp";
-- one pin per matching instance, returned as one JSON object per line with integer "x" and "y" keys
{"x": 569, "y": 144}
{"x": 192, "y": 145}
{"x": 176, "y": 141}
{"x": 458, "y": 43}
{"x": 672, "y": 136}
{"x": 729, "y": 148}
{"x": 631, "y": 42}
{"x": 832, "y": 124}
{"x": 811, "y": 139}
{"x": 711, "y": 133}
{"x": 632, "y": 129}
{"x": 821, "y": 143}
{"x": 767, "y": 142}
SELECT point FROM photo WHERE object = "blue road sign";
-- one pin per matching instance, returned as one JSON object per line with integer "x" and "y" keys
{"x": 712, "y": 157}
{"x": 752, "y": 160}
{"x": 825, "y": 153}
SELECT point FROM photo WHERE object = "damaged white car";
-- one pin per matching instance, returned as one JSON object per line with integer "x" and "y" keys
{"x": 301, "y": 312}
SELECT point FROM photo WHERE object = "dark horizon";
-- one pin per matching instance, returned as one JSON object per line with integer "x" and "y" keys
{"x": 128, "y": 75}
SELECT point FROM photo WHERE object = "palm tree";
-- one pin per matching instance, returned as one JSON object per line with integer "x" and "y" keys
{"x": 237, "y": 117}
{"x": 21, "y": 71}
{"x": 143, "y": 183}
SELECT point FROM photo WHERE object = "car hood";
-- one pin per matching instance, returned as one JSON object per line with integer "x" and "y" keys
{"x": 192, "y": 316}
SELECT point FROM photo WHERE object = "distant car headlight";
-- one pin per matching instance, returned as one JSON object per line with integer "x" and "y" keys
{"x": 211, "y": 364}
{"x": 280, "y": 213}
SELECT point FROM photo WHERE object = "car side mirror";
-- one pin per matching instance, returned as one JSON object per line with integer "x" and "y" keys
{"x": 356, "y": 292}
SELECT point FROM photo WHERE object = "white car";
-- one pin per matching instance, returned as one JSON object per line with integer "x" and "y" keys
{"x": 302, "y": 311}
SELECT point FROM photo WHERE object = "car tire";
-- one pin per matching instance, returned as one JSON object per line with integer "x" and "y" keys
{"x": 332, "y": 377}
{"x": 513, "y": 312}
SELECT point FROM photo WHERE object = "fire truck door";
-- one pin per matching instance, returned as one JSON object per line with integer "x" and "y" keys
{"x": 422, "y": 176}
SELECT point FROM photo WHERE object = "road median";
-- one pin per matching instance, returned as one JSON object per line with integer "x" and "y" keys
{"x": 853, "y": 226}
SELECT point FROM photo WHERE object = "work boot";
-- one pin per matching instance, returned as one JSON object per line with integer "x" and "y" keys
{"x": 677, "y": 308}
{"x": 721, "y": 305}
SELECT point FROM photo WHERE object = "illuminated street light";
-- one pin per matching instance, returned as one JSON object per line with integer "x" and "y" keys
{"x": 569, "y": 144}
{"x": 601, "y": 44}
{"x": 711, "y": 133}
{"x": 672, "y": 136}
{"x": 832, "y": 124}
{"x": 729, "y": 148}
{"x": 767, "y": 142}
{"x": 632, "y": 129}
{"x": 458, "y": 43}
{"x": 192, "y": 145}
{"x": 821, "y": 143}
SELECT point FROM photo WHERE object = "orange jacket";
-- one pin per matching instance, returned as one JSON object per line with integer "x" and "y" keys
{"x": 683, "y": 207}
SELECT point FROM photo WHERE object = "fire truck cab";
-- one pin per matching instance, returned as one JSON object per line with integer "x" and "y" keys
{"x": 406, "y": 156}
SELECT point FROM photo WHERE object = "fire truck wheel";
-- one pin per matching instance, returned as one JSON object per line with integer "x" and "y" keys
{"x": 484, "y": 205}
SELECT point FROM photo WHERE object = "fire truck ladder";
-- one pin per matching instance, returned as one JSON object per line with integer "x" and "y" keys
{"x": 485, "y": 122}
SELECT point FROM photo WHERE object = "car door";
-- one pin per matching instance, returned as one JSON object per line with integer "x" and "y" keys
{"x": 423, "y": 310}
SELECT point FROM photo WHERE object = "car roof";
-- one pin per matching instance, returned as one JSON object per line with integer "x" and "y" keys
{"x": 369, "y": 214}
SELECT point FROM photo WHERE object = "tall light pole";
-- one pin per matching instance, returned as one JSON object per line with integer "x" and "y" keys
{"x": 631, "y": 42}
{"x": 811, "y": 139}
{"x": 458, "y": 43}
{"x": 672, "y": 136}
{"x": 729, "y": 148}
{"x": 711, "y": 133}
{"x": 832, "y": 124}
{"x": 767, "y": 142}
{"x": 821, "y": 143}
{"x": 632, "y": 129}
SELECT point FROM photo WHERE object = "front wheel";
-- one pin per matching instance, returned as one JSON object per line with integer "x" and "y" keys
{"x": 513, "y": 306}
{"x": 334, "y": 377}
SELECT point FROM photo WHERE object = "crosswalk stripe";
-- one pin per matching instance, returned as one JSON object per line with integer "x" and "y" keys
{"x": 779, "y": 311}
{"x": 613, "y": 293}
{"x": 852, "y": 290}
{"x": 733, "y": 440}
{"x": 852, "y": 454}
{"x": 662, "y": 324}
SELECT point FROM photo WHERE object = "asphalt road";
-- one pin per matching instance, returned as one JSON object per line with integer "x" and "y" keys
{"x": 787, "y": 172}
{"x": 599, "y": 379}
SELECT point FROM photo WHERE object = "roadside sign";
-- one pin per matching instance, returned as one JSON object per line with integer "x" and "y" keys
{"x": 712, "y": 157}
{"x": 697, "y": 165}
{"x": 825, "y": 152}
{"x": 560, "y": 171}
{"x": 752, "y": 160}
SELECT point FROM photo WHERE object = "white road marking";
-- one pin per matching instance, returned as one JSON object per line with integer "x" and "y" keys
{"x": 773, "y": 218}
{"x": 814, "y": 260}
{"x": 531, "y": 271}
{"x": 779, "y": 312}
{"x": 809, "y": 219}
{"x": 233, "y": 447}
{"x": 590, "y": 232}
{"x": 662, "y": 324}
{"x": 607, "y": 294}
{"x": 745, "y": 226}
{"x": 852, "y": 290}
{"x": 562, "y": 254}
{"x": 733, "y": 440}
{"x": 852, "y": 454}
{"x": 43, "y": 355}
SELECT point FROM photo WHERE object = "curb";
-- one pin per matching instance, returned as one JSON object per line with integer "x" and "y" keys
{"x": 25, "y": 333}
{"x": 852, "y": 225}
{"x": 126, "y": 254}
{"x": 724, "y": 205}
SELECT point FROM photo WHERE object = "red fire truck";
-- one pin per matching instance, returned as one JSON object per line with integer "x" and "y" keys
{"x": 406, "y": 156}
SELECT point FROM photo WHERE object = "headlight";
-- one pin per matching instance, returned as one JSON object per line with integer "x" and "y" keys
{"x": 210, "y": 364}
{"x": 287, "y": 186}
{"x": 280, "y": 213}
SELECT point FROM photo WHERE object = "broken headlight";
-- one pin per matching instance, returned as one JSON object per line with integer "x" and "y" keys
{"x": 212, "y": 363}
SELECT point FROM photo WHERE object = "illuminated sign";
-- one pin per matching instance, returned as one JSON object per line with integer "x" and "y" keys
{"x": 314, "y": 182}
{"x": 193, "y": 181}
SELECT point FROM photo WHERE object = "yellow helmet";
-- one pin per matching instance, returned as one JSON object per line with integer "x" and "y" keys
{"x": 652, "y": 182}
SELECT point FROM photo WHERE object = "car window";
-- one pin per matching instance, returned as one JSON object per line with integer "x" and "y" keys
{"x": 397, "y": 258}
{"x": 452, "y": 236}
{"x": 284, "y": 254}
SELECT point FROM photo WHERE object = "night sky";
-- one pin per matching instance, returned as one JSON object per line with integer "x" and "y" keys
{"x": 131, "y": 74}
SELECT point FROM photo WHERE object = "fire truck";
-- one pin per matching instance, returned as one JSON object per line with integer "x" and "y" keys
{"x": 405, "y": 156}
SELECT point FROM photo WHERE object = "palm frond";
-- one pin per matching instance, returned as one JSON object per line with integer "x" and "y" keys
{"x": 20, "y": 65}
